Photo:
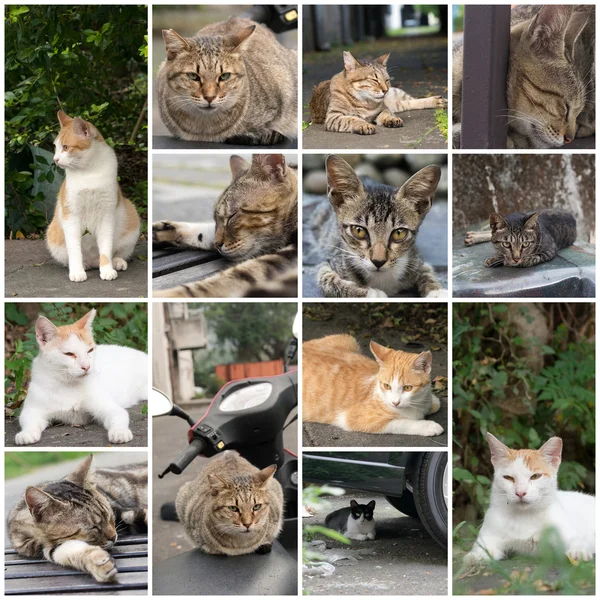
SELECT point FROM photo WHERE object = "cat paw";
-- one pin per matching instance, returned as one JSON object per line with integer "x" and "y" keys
{"x": 119, "y": 264}
{"x": 440, "y": 102}
{"x": 577, "y": 554}
{"x": 164, "y": 231}
{"x": 393, "y": 122}
{"x": 375, "y": 293}
{"x": 470, "y": 238}
{"x": 120, "y": 436}
{"x": 431, "y": 428}
{"x": 25, "y": 438}
{"x": 264, "y": 549}
{"x": 494, "y": 261}
{"x": 101, "y": 565}
{"x": 440, "y": 293}
{"x": 370, "y": 536}
{"x": 365, "y": 129}
{"x": 108, "y": 273}
{"x": 78, "y": 275}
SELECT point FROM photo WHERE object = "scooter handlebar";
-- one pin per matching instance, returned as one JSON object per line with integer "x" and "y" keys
{"x": 177, "y": 467}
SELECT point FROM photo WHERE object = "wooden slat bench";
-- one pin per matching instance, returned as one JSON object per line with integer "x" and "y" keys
{"x": 24, "y": 576}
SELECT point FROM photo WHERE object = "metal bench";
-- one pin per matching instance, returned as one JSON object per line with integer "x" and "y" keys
{"x": 25, "y": 576}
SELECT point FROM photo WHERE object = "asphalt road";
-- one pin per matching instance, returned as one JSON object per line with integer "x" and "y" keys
{"x": 402, "y": 560}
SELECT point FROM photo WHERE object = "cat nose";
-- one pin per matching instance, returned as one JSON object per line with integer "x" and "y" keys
{"x": 218, "y": 244}
{"x": 56, "y": 159}
{"x": 86, "y": 368}
{"x": 378, "y": 263}
{"x": 568, "y": 139}
{"x": 521, "y": 494}
{"x": 209, "y": 99}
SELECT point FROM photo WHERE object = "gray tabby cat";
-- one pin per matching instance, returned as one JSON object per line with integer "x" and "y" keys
{"x": 74, "y": 521}
{"x": 526, "y": 239}
{"x": 232, "y": 507}
{"x": 550, "y": 89}
{"x": 375, "y": 255}
{"x": 232, "y": 82}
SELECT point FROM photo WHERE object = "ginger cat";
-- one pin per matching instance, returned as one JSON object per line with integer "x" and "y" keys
{"x": 391, "y": 394}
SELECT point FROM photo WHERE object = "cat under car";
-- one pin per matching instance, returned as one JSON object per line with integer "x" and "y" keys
{"x": 356, "y": 522}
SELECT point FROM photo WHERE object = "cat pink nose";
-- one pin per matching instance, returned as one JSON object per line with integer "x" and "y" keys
{"x": 209, "y": 99}
{"x": 86, "y": 368}
{"x": 568, "y": 139}
{"x": 56, "y": 159}
{"x": 521, "y": 494}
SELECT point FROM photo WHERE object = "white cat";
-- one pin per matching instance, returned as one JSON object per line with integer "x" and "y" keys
{"x": 525, "y": 501}
{"x": 94, "y": 225}
{"x": 73, "y": 381}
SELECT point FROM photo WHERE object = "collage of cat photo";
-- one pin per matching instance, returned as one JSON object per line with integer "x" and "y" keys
{"x": 273, "y": 325}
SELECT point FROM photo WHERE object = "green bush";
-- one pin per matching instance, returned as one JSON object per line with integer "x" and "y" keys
{"x": 91, "y": 61}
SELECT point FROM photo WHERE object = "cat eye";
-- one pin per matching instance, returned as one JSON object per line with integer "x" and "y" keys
{"x": 68, "y": 354}
{"x": 233, "y": 508}
{"x": 525, "y": 244}
{"x": 65, "y": 148}
{"x": 90, "y": 350}
{"x": 193, "y": 76}
{"x": 407, "y": 388}
{"x": 506, "y": 244}
{"x": 399, "y": 234}
{"x": 358, "y": 232}
{"x": 509, "y": 478}
{"x": 386, "y": 386}
{"x": 257, "y": 507}
{"x": 224, "y": 76}
{"x": 536, "y": 476}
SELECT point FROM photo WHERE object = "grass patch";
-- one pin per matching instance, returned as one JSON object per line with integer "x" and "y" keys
{"x": 305, "y": 125}
{"x": 441, "y": 120}
{"x": 20, "y": 463}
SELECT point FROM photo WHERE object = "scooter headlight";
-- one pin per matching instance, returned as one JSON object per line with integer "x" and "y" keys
{"x": 247, "y": 397}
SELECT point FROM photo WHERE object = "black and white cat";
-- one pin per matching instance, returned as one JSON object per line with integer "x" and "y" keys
{"x": 356, "y": 521}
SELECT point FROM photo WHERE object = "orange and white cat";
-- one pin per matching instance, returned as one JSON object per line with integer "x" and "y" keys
{"x": 391, "y": 394}
{"x": 94, "y": 225}
{"x": 75, "y": 381}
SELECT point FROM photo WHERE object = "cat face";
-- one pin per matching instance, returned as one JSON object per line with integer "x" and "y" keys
{"x": 378, "y": 223}
{"x": 240, "y": 504}
{"x": 206, "y": 74}
{"x": 369, "y": 80}
{"x": 69, "y": 349}
{"x": 72, "y": 509}
{"x": 525, "y": 478}
{"x": 514, "y": 241}
{"x": 255, "y": 212}
{"x": 73, "y": 144}
{"x": 404, "y": 378}
{"x": 545, "y": 92}
{"x": 362, "y": 512}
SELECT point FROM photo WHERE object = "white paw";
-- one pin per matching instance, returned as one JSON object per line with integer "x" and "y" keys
{"x": 431, "y": 428}
{"x": 78, "y": 275}
{"x": 101, "y": 565}
{"x": 120, "y": 436}
{"x": 24, "y": 438}
{"x": 578, "y": 554}
{"x": 375, "y": 293}
{"x": 108, "y": 274}
{"x": 441, "y": 293}
{"x": 359, "y": 536}
{"x": 119, "y": 264}
{"x": 370, "y": 536}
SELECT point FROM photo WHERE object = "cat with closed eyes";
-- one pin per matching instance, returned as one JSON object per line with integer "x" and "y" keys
{"x": 525, "y": 501}
{"x": 374, "y": 246}
{"x": 526, "y": 239}
{"x": 356, "y": 522}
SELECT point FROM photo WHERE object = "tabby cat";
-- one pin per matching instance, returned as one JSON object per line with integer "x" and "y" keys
{"x": 526, "y": 239}
{"x": 256, "y": 221}
{"x": 232, "y": 82}
{"x": 360, "y": 95}
{"x": 374, "y": 252}
{"x": 391, "y": 394}
{"x": 74, "y": 521}
{"x": 550, "y": 88}
{"x": 232, "y": 507}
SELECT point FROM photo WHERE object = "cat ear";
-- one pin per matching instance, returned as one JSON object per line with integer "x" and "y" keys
{"x": 574, "y": 28}
{"x": 238, "y": 166}
{"x": 497, "y": 222}
{"x": 37, "y": 501}
{"x": 237, "y": 39}
{"x": 262, "y": 477}
{"x": 381, "y": 353}
{"x": 174, "y": 43}
{"x": 353, "y": 503}
{"x": 423, "y": 362}
{"x": 269, "y": 166}
{"x": 532, "y": 221}
{"x": 343, "y": 183}
{"x": 45, "y": 330}
{"x": 80, "y": 475}
{"x": 371, "y": 504}
{"x": 350, "y": 63}
{"x": 217, "y": 484}
{"x": 547, "y": 30}
{"x": 382, "y": 60}
{"x": 84, "y": 129}
{"x": 499, "y": 451}
{"x": 420, "y": 189}
{"x": 63, "y": 118}
{"x": 552, "y": 451}
{"x": 86, "y": 320}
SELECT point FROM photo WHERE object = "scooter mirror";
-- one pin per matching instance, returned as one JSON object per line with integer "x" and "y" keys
{"x": 296, "y": 326}
{"x": 160, "y": 404}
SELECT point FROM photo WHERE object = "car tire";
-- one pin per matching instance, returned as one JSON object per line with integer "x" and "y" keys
{"x": 428, "y": 488}
{"x": 405, "y": 504}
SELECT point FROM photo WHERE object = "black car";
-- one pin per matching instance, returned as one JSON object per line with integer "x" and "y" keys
{"x": 415, "y": 483}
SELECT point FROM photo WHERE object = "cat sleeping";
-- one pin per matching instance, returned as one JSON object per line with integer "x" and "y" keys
{"x": 391, "y": 394}
{"x": 94, "y": 225}
{"x": 360, "y": 97}
{"x": 232, "y": 507}
{"x": 255, "y": 225}
{"x": 232, "y": 82}
{"x": 375, "y": 254}
{"x": 526, "y": 239}
{"x": 525, "y": 501}
{"x": 75, "y": 381}
{"x": 356, "y": 522}
{"x": 74, "y": 521}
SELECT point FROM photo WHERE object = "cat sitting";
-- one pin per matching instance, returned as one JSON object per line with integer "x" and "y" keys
{"x": 232, "y": 507}
{"x": 360, "y": 97}
{"x": 525, "y": 500}
{"x": 526, "y": 239}
{"x": 391, "y": 394}
{"x": 356, "y": 522}
{"x": 74, "y": 381}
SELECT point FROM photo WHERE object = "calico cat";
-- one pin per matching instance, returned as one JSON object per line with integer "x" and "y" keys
{"x": 232, "y": 82}
{"x": 94, "y": 225}
{"x": 74, "y": 521}
{"x": 391, "y": 394}
{"x": 526, "y": 239}
{"x": 74, "y": 381}
{"x": 360, "y": 95}
{"x": 255, "y": 225}
{"x": 375, "y": 255}
{"x": 525, "y": 500}
{"x": 232, "y": 507}
{"x": 550, "y": 88}
{"x": 356, "y": 522}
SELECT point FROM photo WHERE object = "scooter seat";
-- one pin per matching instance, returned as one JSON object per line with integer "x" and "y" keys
{"x": 194, "y": 573}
